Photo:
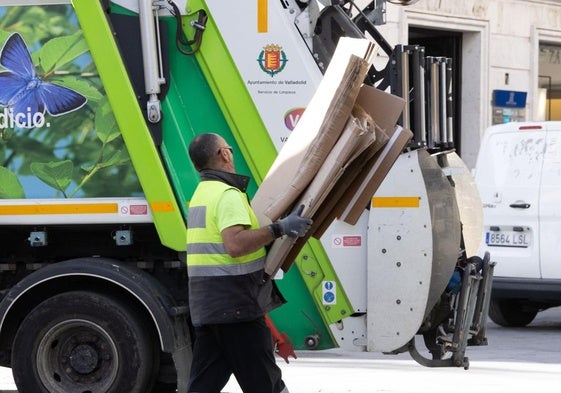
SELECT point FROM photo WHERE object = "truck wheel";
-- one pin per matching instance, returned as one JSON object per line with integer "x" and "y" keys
{"x": 83, "y": 342}
{"x": 510, "y": 313}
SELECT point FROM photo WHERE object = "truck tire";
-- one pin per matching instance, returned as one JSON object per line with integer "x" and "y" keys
{"x": 83, "y": 342}
{"x": 510, "y": 313}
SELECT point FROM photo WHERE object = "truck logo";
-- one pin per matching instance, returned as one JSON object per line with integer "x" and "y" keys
{"x": 27, "y": 96}
{"x": 272, "y": 59}
{"x": 292, "y": 117}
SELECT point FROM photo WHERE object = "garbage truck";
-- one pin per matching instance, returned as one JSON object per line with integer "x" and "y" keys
{"x": 98, "y": 103}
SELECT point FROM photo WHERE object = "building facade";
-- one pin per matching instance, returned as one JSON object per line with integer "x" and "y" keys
{"x": 500, "y": 47}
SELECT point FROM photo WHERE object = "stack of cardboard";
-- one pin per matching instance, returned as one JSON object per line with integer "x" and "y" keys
{"x": 338, "y": 154}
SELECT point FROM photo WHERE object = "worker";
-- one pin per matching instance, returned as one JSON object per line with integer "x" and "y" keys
{"x": 229, "y": 292}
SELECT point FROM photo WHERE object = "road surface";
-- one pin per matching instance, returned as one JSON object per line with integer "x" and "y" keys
{"x": 517, "y": 360}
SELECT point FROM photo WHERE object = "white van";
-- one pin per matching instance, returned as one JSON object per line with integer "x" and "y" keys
{"x": 518, "y": 174}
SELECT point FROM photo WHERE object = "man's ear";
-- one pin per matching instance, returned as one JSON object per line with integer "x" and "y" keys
{"x": 226, "y": 155}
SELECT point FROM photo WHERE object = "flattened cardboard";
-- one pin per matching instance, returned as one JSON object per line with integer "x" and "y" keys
{"x": 354, "y": 198}
{"x": 316, "y": 132}
{"x": 334, "y": 206}
{"x": 354, "y": 190}
{"x": 384, "y": 108}
{"x": 327, "y": 185}
{"x": 354, "y": 139}
{"x": 361, "y": 192}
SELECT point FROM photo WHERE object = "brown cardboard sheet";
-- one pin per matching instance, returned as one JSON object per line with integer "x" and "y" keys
{"x": 355, "y": 190}
{"x": 357, "y": 183}
{"x": 356, "y": 137}
{"x": 317, "y": 131}
{"x": 351, "y": 192}
{"x": 360, "y": 193}
{"x": 384, "y": 109}
{"x": 333, "y": 206}
{"x": 337, "y": 156}
{"x": 330, "y": 208}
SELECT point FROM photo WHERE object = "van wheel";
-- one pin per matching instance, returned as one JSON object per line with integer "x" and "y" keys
{"x": 510, "y": 313}
{"x": 83, "y": 342}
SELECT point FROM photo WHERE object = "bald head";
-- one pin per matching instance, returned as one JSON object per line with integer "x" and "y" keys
{"x": 202, "y": 150}
{"x": 210, "y": 151}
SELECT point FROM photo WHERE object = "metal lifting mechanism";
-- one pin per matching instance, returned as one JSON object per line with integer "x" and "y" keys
{"x": 426, "y": 84}
{"x": 439, "y": 103}
{"x": 403, "y": 59}
{"x": 148, "y": 11}
{"x": 151, "y": 56}
{"x": 457, "y": 317}
{"x": 470, "y": 307}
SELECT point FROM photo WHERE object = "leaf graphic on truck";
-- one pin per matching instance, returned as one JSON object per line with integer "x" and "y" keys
{"x": 26, "y": 94}
{"x": 10, "y": 187}
{"x": 56, "y": 174}
{"x": 68, "y": 143}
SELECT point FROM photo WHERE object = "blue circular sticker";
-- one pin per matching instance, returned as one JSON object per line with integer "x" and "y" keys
{"x": 328, "y": 297}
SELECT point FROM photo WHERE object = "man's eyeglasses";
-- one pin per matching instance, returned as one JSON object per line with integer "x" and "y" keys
{"x": 225, "y": 147}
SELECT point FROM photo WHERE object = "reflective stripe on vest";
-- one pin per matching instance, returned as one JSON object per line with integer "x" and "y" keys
{"x": 206, "y": 254}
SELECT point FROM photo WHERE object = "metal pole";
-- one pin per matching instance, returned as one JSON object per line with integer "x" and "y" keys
{"x": 418, "y": 72}
{"x": 442, "y": 100}
{"x": 405, "y": 88}
{"x": 449, "y": 103}
{"x": 152, "y": 79}
{"x": 433, "y": 129}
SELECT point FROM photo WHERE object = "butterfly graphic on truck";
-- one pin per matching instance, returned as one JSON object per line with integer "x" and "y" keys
{"x": 24, "y": 95}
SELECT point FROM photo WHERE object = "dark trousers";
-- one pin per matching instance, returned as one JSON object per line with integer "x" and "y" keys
{"x": 244, "y": 349}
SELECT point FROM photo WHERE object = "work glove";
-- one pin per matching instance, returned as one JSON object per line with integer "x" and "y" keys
{"x": 294, "y": 225}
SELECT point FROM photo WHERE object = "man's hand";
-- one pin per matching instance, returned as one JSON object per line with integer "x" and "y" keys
{"x": 294, "y": 225}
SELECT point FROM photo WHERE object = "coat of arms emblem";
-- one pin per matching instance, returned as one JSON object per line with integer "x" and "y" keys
{"x": 272, "y": 59}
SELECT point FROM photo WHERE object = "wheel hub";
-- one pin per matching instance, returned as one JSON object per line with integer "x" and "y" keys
{"x": 84, "y": 359}
{"x": 78, "y": 356}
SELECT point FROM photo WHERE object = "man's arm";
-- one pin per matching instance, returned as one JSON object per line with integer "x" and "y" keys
{"x": 240, "y": 241}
